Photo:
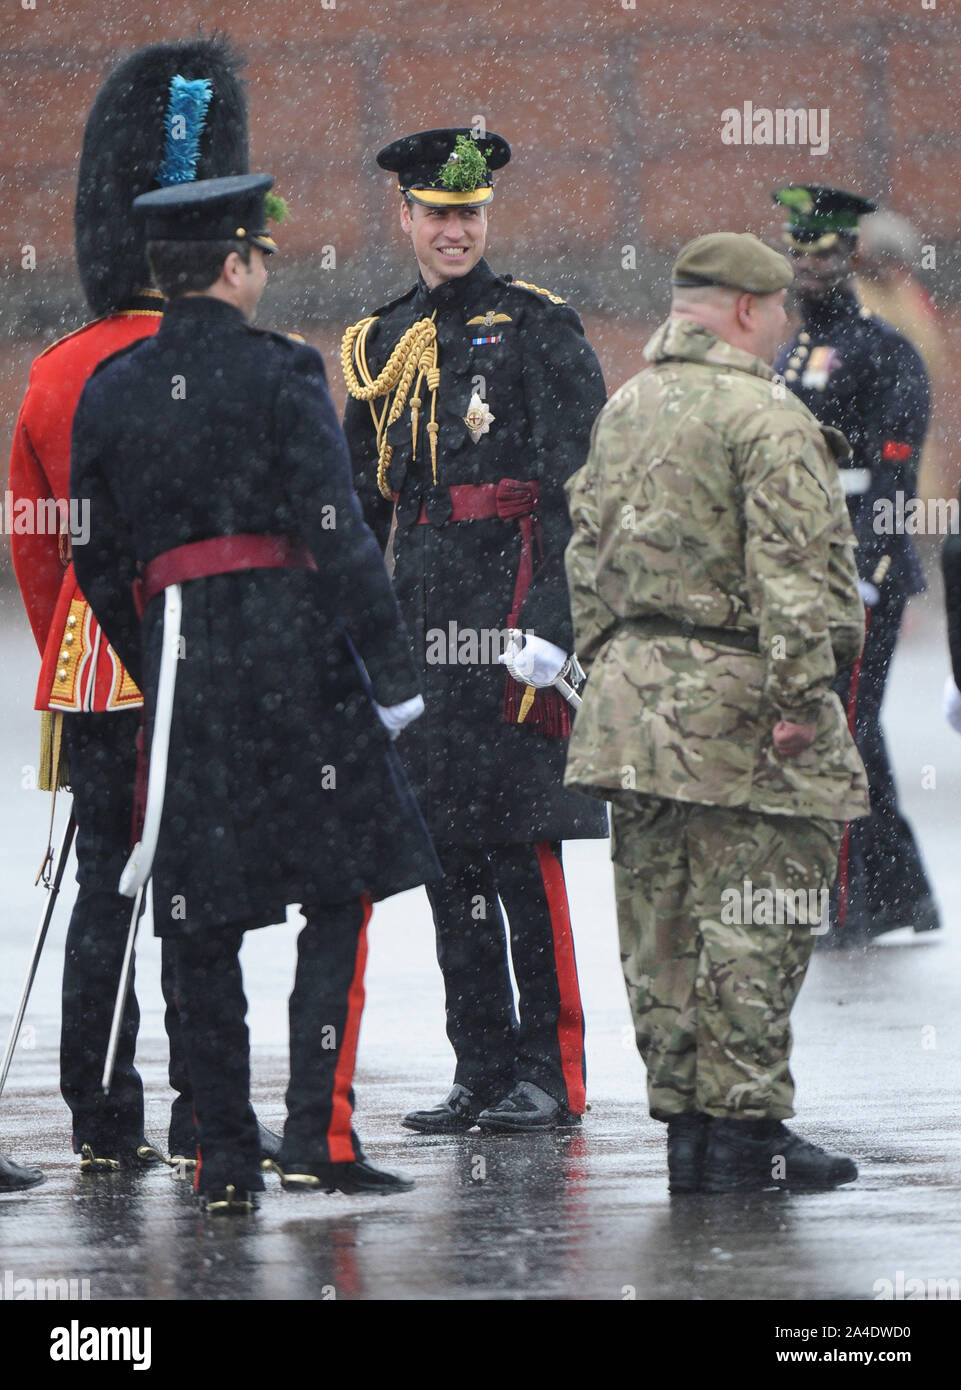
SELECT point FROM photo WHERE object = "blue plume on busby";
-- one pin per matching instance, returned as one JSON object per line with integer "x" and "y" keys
{"x": 126, "y": 151}
{"x": 184, "y": 124}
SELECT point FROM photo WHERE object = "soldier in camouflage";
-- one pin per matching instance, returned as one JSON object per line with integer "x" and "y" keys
{"x": 714, "y": 596}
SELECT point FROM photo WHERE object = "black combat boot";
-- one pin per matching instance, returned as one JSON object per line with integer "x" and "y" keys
{"x": 455, "y": 1115}
{"x": 686, "y": 1143}
{"x": 746, "y": 1155}
{"x": 14, "y": 1177}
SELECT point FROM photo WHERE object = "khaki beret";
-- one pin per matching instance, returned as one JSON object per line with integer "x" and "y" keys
{"x": 735, "y": 259}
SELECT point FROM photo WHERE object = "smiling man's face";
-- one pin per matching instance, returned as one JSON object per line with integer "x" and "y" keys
{"x": 448, "y": 241}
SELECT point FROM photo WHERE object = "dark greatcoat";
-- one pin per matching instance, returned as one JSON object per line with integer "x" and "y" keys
{"x": 876, "y": 392}
{"x": 282, "y": 784}
{"x": 481, "y": 781}
{"x": 877, "y": 395}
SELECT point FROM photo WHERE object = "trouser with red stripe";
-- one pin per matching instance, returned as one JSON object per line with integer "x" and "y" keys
{"x": 495, "y": 1049}
{"x": 325, "y": 1009}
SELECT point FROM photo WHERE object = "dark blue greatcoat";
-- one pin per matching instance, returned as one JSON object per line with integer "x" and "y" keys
{"x": 873, "y": 387}
{"x": 480, "y": 780}
{"x": 856, "y": 372}
{"x": 282, "y": 785}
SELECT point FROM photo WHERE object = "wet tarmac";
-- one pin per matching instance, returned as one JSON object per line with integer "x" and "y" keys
{"x": 578, "y": 1216}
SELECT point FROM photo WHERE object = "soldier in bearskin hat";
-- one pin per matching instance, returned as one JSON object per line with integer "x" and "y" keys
{"x": 168, "y": 114}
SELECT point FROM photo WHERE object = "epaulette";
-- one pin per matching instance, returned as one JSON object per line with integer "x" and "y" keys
{"x": 74, "y": 333}
{"x": 386, "y": 308}
{"x": 288, "y": 339}
{"x": 536, "y": 289}
{"x": 84, "y": 327}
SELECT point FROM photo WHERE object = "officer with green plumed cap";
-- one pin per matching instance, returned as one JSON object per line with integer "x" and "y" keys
{"x": 855, "y": 372}
{"x": 471, "y": 402}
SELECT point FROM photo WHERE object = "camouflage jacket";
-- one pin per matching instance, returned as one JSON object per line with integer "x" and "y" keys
{"x": 710, "y": 500}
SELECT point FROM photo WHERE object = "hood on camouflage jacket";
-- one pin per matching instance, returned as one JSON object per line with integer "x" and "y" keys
{"x": 710, "y": 499}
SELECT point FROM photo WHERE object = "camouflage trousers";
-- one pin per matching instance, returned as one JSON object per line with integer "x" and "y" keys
{"x": 715, "y": 942}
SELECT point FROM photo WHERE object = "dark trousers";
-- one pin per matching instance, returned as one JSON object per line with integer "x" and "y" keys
{"x": 102, "y": 754}
{"x": 494, "y": 1049}
{"x": 885, "y": 872}
{"x": 325, "y": 1011}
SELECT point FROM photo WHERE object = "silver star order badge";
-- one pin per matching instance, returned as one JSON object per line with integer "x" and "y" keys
{"x": 478, "y": 418}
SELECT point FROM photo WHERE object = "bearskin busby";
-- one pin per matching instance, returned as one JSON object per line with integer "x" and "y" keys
{"x": 169, "y": 113}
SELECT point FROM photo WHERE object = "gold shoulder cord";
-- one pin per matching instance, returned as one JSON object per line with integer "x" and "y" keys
{"x": 415, "y": 356}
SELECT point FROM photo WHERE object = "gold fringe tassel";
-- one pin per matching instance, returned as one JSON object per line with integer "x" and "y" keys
{"x": 53, "y": 773}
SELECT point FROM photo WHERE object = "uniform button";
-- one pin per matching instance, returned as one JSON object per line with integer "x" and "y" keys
{"x": 61, "y": 675}
{"x": 790, "y": 375}
{"x": 794, "y": 361}
{"x": 71, "y": 621}
{"x": 68, "y": 639}
{"x": 65, "y": 657}
{"x": 802, "y": 351}
{"x": 804, "y": 337}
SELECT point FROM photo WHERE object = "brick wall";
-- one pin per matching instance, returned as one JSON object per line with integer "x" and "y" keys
{"x": 614, "y": 114}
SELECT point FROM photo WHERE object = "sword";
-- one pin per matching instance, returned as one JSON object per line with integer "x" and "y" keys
{"x": 53, "y": 889}
{"x": 572, "y": 668}
{"x": 137, "y": 870}
{"x": 123, "y": 989}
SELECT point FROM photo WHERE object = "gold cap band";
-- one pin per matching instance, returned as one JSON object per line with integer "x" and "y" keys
{"x": 446, "y": 197}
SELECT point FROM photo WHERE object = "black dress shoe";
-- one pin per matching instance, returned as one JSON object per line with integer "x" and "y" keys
{"x": 526, "y": 1110}
{"x": 112, "y": 1158}
{"x": 455, "y": 1115}
{"x": 14, "y": 1177}
{"x": 358, "y": 1176}
{"x": 686, "y": 1143}
{"x": 922, "y": 916}
{"x": 227, "y": 1201}
{"x": 749, "y": 1155}
{"x": 269, "y": 1142}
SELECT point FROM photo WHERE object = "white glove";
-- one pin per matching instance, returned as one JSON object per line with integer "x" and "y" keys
{"x": 397, "y": 717}
{"x": 951, "y": 704}
{"x": 869, "y": 592}
{"x": 537, "y": 662}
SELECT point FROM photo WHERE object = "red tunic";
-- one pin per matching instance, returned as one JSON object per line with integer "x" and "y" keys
{"x": 80, "y": 670}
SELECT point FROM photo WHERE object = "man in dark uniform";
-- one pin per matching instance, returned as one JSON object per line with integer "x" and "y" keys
{"x": 211, "y": 454}
{"x": 166, "y": 114}
{"x": 855, "y": 372}
{"x": 472, "y": 400}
